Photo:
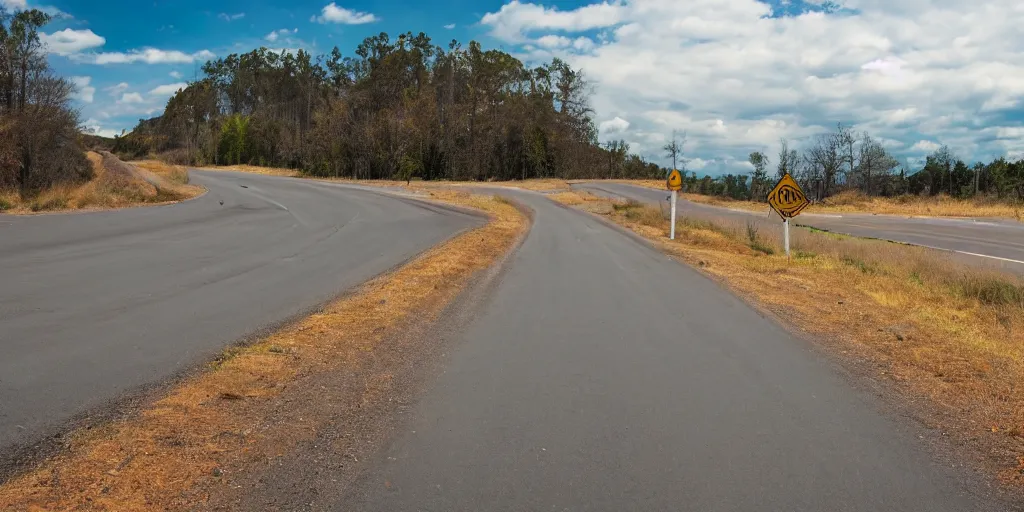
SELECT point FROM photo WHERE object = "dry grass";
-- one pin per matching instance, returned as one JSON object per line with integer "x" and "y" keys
{"x": 933, "y": 327}
{"x": 171, "y": 454}
{"x": 856, "y": 202}
{"x": 268, "y": 171}
{"x": 115, "y": 185}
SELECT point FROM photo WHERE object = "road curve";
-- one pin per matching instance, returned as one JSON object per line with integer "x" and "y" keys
{"x": 96, "y": 304}
{"x": 993, "y": 243}
{"x": 603, "y": 375}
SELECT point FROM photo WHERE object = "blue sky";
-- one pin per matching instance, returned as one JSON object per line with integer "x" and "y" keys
{"x": 734, "y": 75}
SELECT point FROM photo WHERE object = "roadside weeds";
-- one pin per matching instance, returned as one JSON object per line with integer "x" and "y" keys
{"x": 176, "y": 452}
{"x": 857, "y": 202}
{"x": 115, "y": 185}
{"x": 931, "y": 328}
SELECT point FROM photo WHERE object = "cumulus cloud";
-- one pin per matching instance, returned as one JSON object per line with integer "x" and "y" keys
{"x": 275, "y": 35}
{"x": 167, "y": 90}
{"x": 613, "y": 126}
{"x": 84, "y": 91}
{"x": 68, "y": 41}
{"x": 925, "y": 146}
{"x": 737, "y": 75}
{"x": 95, "y": 127}
{"x": 231, "y": 17}
{"x": 131, "y": 97}
{"x": 145, "y": 55}
{"x": 552, "y": 41}
{"x": 516, "y": 19}
{"x": 332, "y": 13}
{"x": 449, "y": 26}
{"x": 13, "y": 4}
{"x": 175, "y": 74}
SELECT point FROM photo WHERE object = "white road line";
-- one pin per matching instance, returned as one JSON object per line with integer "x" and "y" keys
{"x": 992, "y": 257}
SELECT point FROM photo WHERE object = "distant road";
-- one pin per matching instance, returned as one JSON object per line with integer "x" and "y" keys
{"x": 989, "y": 242}
{"x": 603, "y": 375}
{"x": 96, "y": 304}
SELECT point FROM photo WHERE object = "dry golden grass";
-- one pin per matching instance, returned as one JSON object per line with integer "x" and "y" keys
{"x": 856, "y": 202}
{"x": 115, "y": 185}
{"x": 933, "y": 327}
{"x": 269, "y": 171}
{"x": 169, "y": 455}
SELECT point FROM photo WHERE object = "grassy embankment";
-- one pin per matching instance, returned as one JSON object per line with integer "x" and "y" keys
{"x": 856, "y": 202}
{"x": 115, "y": 185}
{"x": 906, "y": 316}
{"x": 256, "y": 403}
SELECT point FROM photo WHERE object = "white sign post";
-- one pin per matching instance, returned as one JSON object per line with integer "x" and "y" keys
{"x": 785, "y": 230}
{"x": 672, "y": 229}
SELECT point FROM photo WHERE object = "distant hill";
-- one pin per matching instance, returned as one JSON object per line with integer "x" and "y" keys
{"x": 96, "y": 142}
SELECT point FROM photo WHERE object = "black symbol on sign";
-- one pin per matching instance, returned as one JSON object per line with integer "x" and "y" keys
{"x": 788, "y": 195}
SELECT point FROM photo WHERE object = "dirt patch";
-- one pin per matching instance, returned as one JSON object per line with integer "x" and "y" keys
{"x": 255, "y": 403}
{"x": 947, "y": 339}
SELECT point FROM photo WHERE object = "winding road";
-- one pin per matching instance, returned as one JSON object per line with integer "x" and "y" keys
{"x": 993, "y": 243}
{"x": 598, "y": 375}
{"x": 93, "y": 305}
{"x": 603, "y": 375}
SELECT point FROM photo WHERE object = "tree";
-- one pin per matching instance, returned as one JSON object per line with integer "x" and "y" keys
{"x": 674, "y": 150}
{"x": 789, "y": 160}
{"x": 759, "y": 178}
{"x": 39, "y": 140}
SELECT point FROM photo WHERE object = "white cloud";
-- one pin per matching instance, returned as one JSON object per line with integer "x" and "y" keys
{"x": 273, "y": 36}
{"x": 85, "y": 92}
{"x": 94, "y": 127}
{"x": 332, "y": 13}
{"x": 617, "y": 125}
{"x": 231, "y": 17}
{"x": 516, "y": 19}
{"x": 583, "y": 44}
{"x": 13, "y": 4}
{"x": 68, "y": 41}
{"x": 926, "y": 146}
{"x": 552, "y": 41}
{"x": 131, "y": 97}
{"x": 175, "y": 74}
{"x": 167, "y": 90}
{"x": 449, "y": 26}
{"x": 146, "y": 55}
{"x": 737, "y": 77}
{"x": 116, "y": 90}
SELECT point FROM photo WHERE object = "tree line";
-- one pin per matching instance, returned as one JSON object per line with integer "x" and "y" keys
{"x": 396, "y": 108}
{"x": 844, "y": 160}
{"x": 39, "y": 137}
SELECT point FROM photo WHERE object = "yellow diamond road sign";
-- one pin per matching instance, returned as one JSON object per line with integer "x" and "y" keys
{"x": 787, "y": 198}
{"x": 675, "y": 180}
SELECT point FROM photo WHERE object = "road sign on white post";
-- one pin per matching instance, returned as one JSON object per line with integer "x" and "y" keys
{"x": 788, "y": 201}
{"x": 674, "y": 184}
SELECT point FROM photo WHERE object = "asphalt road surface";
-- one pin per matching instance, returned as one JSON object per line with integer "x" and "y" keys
{"x": 96, "y": 304}
{"x": 604, "y": 376}
{"x": 994, "y": 243}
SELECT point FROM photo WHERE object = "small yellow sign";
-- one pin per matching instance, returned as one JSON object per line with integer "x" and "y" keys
{"x": 787, "y": 199}
{"x": 675, "y": 180}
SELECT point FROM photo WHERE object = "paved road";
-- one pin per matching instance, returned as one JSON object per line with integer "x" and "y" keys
{"x": 604, "y": 376}
{"x": 96, "y": 304}
{"x": 989, "y": 242}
